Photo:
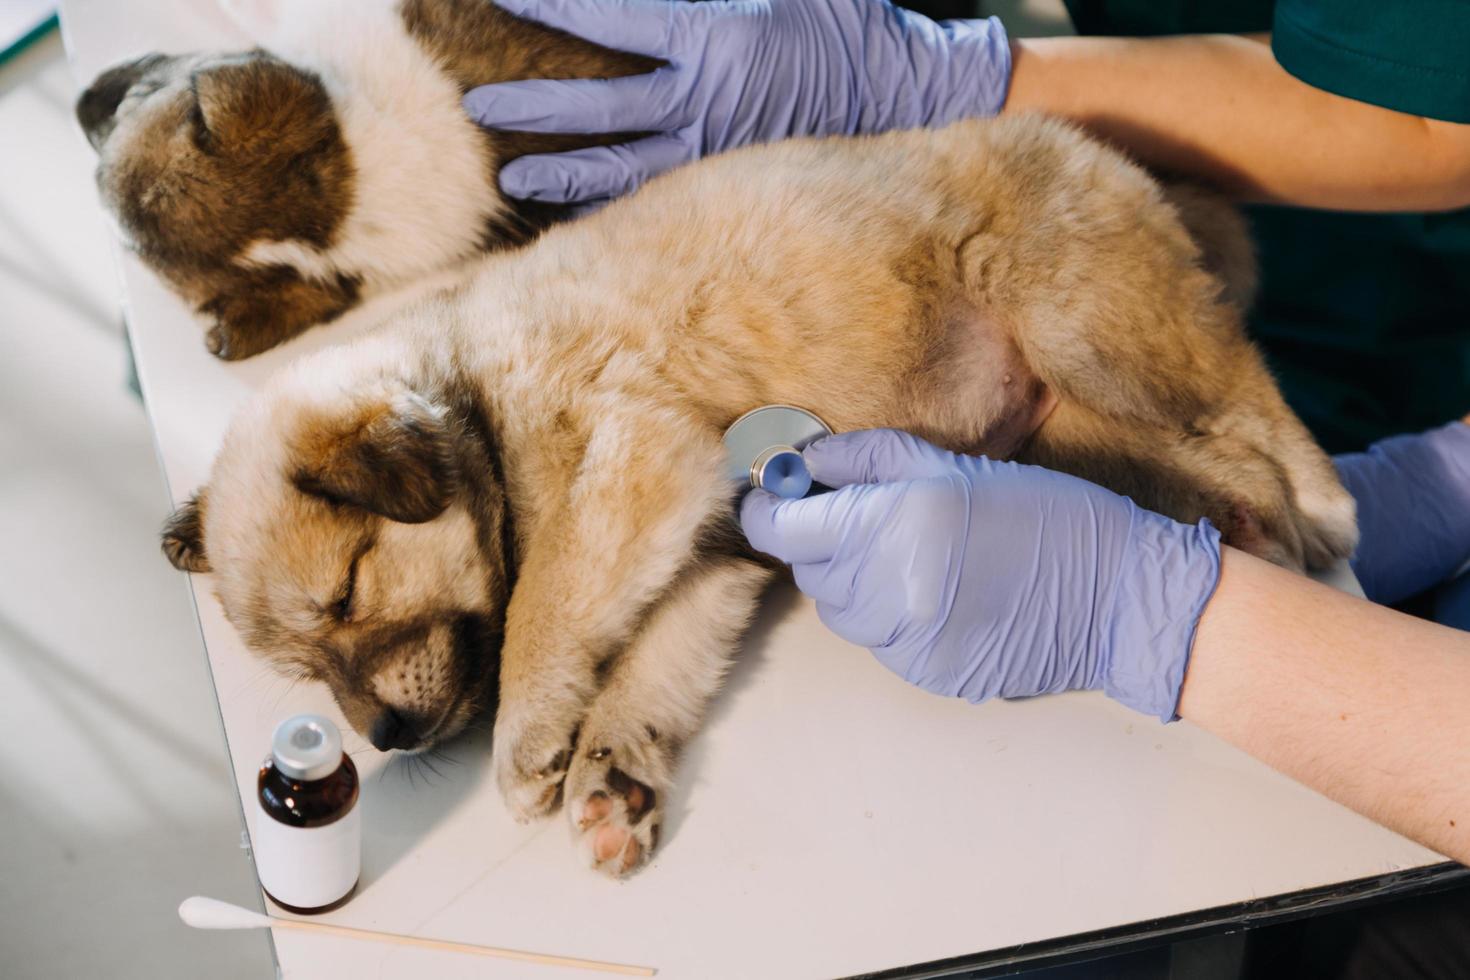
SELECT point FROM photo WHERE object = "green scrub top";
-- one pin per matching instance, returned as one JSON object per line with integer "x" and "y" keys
{"x": 1364, "y": 318}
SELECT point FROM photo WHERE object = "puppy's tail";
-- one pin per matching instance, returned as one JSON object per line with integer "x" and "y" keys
{"x": 1220, "y": 231}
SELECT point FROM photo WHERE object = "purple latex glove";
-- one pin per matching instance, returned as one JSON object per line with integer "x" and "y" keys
{"x": 1413, "y": 495}
{"x": 739, "y": 71}
{"x": 974, "y": 578}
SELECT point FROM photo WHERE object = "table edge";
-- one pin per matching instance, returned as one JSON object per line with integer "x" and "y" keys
{"x": 246, "y": 844}
{"x": 1255, "y": 912}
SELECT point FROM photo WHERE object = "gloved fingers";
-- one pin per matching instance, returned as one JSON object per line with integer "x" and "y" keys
{"x": 576, "y": 105}
{"x": 1413, "y": 510}
{"x": 593, "y": 173}
{"x": 875, "y": 456}
{"x": 636, "y": 26}
{"x": 854, "y": 626}
{"x": 798, "y": 532}
{"x": 823, "y": 581}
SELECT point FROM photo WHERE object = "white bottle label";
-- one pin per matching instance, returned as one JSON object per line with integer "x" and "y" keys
{"x": 308, "y": 867}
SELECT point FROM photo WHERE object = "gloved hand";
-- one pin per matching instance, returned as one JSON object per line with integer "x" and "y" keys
{"x": 974, "y": 578}
{"x": 1413, "y": 495}
{"x": 739, "y": 71}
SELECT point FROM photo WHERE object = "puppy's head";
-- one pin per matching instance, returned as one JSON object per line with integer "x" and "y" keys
{"x": 271, "y": 189}
{"x": 201, "y": 156}
{"x": 357, "y": 533}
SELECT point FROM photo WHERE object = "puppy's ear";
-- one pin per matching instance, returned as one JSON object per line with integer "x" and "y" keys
{"x": 260, "y": 108}
{"x": 183, "y": 536}
{"x": 394, "y": 457}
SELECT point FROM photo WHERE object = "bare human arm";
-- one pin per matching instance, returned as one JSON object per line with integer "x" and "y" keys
{"x": 1363, "y": 704}
{"x": 1219, "y": 107}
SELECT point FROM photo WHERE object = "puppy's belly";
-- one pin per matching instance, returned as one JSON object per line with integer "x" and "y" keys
{"x": 992, "y": 397}
{"x": 1032, "y": 403}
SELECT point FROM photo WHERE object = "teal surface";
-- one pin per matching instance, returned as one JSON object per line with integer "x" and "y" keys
{"x": 27, "y": 39}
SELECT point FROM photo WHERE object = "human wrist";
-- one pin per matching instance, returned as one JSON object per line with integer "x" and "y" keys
{"x": 984, "y": 48}
{"x": 1165, "y": 579}
{"x": 953, "y": 70}
{"x": 1051, "y": 75}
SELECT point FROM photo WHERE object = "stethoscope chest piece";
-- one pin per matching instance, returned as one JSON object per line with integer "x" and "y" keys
{"x": 763, "y": 449}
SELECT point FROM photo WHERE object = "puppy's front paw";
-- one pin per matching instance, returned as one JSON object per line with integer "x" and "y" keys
{"x": 230, "y": 343}
{"x": 530, "y": 762}
{"x": 615, "y": 794}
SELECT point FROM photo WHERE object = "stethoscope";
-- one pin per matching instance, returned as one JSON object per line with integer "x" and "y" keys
{"x": 763, "y": 449}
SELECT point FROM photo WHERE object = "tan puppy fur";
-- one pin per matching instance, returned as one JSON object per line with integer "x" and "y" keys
{"x": 553, "y": 429}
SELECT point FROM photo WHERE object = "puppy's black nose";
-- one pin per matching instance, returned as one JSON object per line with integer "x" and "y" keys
{"x": 392, "y": 731}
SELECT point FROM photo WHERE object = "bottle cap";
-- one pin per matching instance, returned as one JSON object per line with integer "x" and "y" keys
{"x": 763, "y": 449}
{"x": 307, "y": 747}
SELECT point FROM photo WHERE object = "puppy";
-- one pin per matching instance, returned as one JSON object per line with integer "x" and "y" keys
{"x": 274, "y": 188}
{"x": 528, "y": 471}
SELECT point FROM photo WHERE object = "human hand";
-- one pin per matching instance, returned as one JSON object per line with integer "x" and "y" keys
{"x": 738, "y": 72}
{"x": 1413, "y": 495}
{"x": 974, "y": 578}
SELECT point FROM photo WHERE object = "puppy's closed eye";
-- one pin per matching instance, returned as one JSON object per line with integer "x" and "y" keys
{"x": 347, "y": 591}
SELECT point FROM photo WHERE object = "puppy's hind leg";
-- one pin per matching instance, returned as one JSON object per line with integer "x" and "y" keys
{"x": 652, "y": 703}
{"x": 1244, "y": 493}
{"x": 1151, "y": 364}
{"x": 1325, "y": 512}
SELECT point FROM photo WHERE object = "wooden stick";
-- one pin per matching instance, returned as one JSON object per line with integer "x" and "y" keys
{"x": 441, "y": 944}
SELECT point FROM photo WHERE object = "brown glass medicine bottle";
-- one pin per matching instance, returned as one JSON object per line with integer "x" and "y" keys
{"x": 307, "y": 835}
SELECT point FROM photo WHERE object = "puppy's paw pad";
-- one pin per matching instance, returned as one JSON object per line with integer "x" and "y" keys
{"x": 615, "y": 850}
{"x": 597, "y": 809}
{"x": 637, "y": 798}
{"x": 617, "y": 820}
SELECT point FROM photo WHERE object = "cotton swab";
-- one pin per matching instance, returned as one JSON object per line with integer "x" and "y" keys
{"x": 211, "y": 913}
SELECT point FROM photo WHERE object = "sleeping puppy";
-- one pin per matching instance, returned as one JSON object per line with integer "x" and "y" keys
{"x": 274, "y": 188}
{"x": 526, "y": 475}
